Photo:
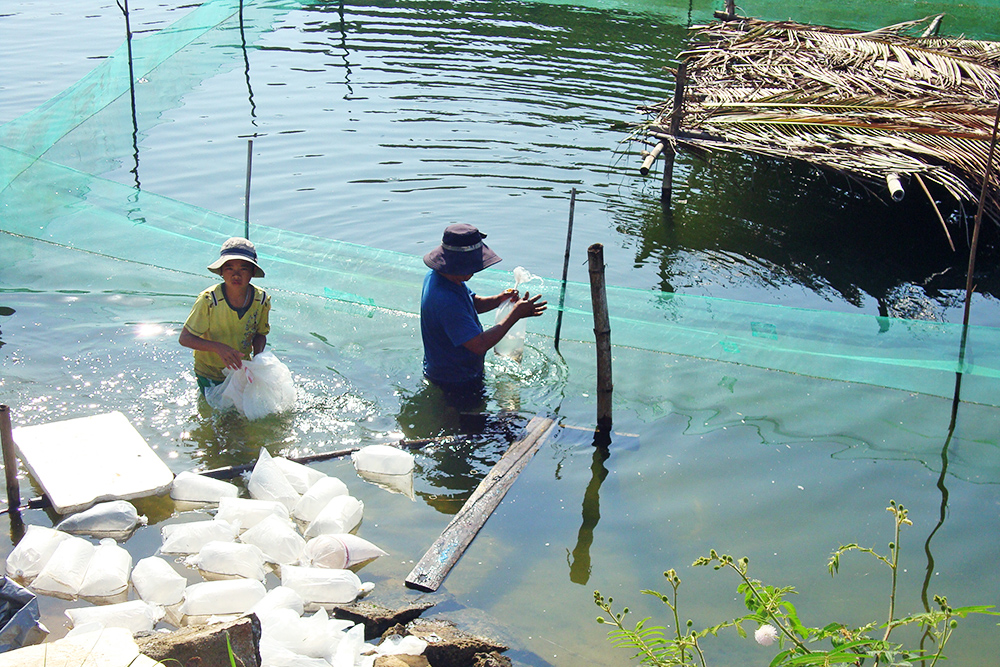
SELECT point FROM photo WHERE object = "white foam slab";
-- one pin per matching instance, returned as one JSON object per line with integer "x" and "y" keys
{"x": 79, "y": 462}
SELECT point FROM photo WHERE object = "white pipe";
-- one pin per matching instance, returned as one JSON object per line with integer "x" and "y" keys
{"x": 895, "y": 187}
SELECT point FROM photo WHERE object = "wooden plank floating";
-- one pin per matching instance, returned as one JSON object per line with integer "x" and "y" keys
{"x": 430, "y": 572}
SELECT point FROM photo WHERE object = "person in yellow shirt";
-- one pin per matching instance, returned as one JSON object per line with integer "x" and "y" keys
{"x": 229, "y": 321}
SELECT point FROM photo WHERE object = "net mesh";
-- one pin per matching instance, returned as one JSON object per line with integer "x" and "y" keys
{"x": 62, "y": 202}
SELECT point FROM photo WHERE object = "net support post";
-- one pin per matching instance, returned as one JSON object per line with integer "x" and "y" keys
{"x": 9, "y": 461}
{"x": 602, "y": 334}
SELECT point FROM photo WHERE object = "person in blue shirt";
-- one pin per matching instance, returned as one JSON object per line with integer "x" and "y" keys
{"x": 455, "y": 344}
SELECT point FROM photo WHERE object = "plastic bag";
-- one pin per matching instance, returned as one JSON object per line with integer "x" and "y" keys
{"x": 134, "y": 615}
{"x": 229, "y": 559}
{"x": 20, "y": 623}
{"x": 339, "y": 551}
{"x": 383, "y": 459}
{"x": 278, "y": 600}
{"x": 315, "y": 499}
{"x": 277, "y": 540}
{"x": 300, "y": 476}
{"x": 268, "y": 482}
{"x": 512, "y": 344}
{"x": 319, "y": 585}
{"x": 156, "y": 581}
{"x": 261, "y": 386}
{"x": 64, "y": 572}
{"x": 192, "y": 487}
{"x": 226, "y": 596}
{"x": 341, "y": 515}
{"x": 117, "y": 519}
{"x": 33, "y": 552}
{"x": 189, "y": 538}
{"x": 250, "y": 511}
{"x": 107, "y": 574}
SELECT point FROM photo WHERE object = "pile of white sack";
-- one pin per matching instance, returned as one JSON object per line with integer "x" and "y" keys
{"x": 298, "y": 523}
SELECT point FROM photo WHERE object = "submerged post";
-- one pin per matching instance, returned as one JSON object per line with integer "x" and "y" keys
{"x": 602, "y": 333}
{"x": 9, "y": 461}
{"x": 675, "y": 124}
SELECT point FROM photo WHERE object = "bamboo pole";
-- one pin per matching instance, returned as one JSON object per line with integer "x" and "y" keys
{"x": 602, "y": 333}
{"x": 651, "y": 158}
{"x": 246, "y": 206}
{"x": 9, "y": 461}
{"x": 675, "y": 125}
{"x": 979, "y": 222}
{"x": 562, "y": 290}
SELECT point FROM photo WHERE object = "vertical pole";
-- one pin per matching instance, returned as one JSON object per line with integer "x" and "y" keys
{"x": 562, "y": 291}
{"x": 602, "y": 333}
{"x": 246, "y": 208}
{"x": 979, "y": 221}
{"x": 9, "y": 461}
{"x": 675, "y": 124}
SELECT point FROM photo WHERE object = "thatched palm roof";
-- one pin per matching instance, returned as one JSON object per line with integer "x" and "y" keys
{"x": 865, "y": 104}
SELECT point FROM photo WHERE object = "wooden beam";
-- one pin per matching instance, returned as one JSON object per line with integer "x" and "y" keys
{"x": 430, "y": 572}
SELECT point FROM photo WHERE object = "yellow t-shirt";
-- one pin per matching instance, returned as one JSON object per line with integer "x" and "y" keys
{"x": 212, "y": 318}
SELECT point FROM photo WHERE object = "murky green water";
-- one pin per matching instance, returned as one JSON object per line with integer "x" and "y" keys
{"x": 377, "y": 125}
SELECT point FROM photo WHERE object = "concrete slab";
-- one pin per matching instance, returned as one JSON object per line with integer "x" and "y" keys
{"x": 79, "y": 462}
{"x": 109, "y": 647}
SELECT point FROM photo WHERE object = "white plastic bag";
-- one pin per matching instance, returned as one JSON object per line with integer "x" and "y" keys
{"x": 268, "y": 482}
{"x": 300, "y": 476}
{"x": 315, "y": 499}
{"x": 157, "y": 582}
{"x": 33, "y": 552}
{"x": 192, "y": 487}
{"x": 512, "y": 344}
{"x": 277, "y": 540}
{"x": 189, "y": 538}
{"x": 339, "y": 551}
{"x": 278, "y": 600}
{"x": 226, "y": 596}
{"x": 383, "y": 459}
{"x": 229, "y": 559}
{"x": 261, "y": 386}
{"x": 341, "y": 515}
{"x": 64, "y": 572}
{"x": 250, "y": 511}
{"x": 107, "y": 574}
{"x": 320, "y": 585}
{"x": 117, "y": 518}
{"x": 134, "y": 615}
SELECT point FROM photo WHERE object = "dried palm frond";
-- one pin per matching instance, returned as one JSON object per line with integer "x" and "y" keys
{"x": 865, "y": 104}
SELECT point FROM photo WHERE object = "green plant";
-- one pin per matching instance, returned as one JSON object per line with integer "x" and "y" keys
{"x": 776, "y": 620}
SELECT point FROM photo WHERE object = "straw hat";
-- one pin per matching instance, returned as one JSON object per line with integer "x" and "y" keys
{"x": 462, "y": 252}
{"x": 237, "y": 248}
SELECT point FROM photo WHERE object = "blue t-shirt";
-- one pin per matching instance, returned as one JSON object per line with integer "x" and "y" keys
{"x": 448, "y": 319}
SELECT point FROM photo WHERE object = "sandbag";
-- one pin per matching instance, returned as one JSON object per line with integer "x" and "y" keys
{"x": 229, "y": 559}
{"x": 299, "y": 475}
{"x": 134, "y": 615}
{"x": 318, "y": 585}
{"x": 64, "y": 572}
{"x": 260, "y": 387}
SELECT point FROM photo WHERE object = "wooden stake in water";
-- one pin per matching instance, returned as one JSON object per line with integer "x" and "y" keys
{"x": 569, "y": 239}
{"x": 602, "y": 333}
{"x": 246, "y": 207}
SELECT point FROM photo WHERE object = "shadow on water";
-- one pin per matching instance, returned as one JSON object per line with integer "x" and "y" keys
{"x": 755, "y": 222}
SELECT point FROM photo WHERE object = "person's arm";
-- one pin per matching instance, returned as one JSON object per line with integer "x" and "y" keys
{"x": 259, "y": 341}
{"x": 485, "y": 304}
{"x": 527, "y": 307}
{"x": 230, "y": 357}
